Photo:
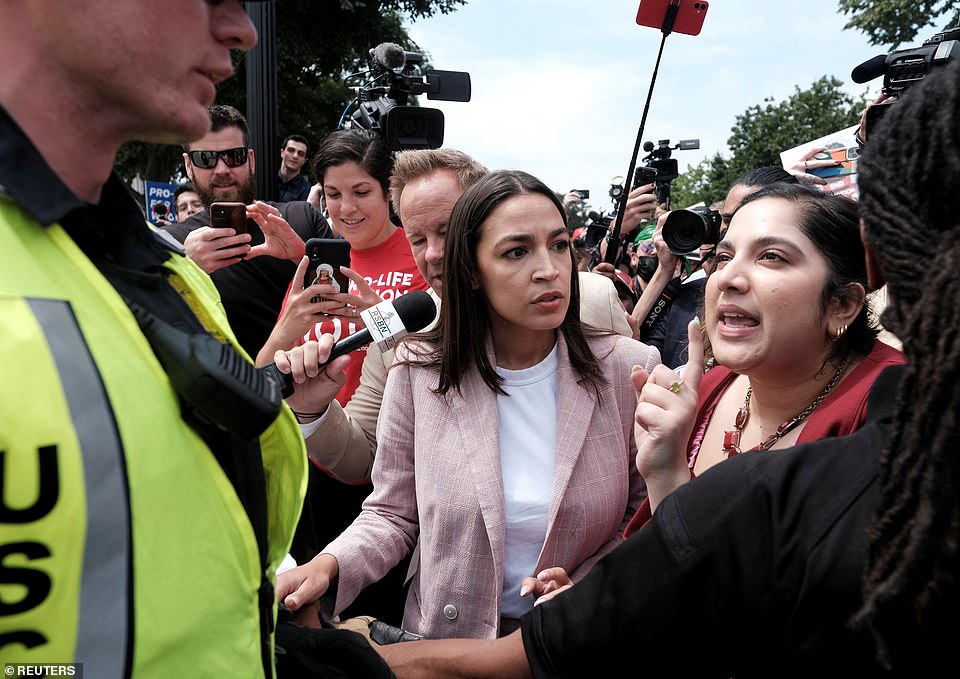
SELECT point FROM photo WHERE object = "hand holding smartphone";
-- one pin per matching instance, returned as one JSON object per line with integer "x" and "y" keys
{"x": 327, "y": 255}
{"x": 230, "y": 215}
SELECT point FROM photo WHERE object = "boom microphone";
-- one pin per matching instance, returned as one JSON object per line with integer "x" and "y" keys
{"x": 389, "y": 55}
{"x": 870, "y": 69}
{"x": 386, "y": 323}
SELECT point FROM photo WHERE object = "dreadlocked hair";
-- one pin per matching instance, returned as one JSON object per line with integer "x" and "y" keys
{"x": 910, "y": 206}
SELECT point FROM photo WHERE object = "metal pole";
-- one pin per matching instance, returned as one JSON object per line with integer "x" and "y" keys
{"x": 261, "y": 64}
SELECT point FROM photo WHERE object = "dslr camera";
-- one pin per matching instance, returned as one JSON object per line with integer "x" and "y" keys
{"x": 383, "y": 98}
{"x": 685, "y": 231}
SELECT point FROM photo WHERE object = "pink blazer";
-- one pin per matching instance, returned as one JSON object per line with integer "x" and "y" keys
{"x": 437, "y": 478}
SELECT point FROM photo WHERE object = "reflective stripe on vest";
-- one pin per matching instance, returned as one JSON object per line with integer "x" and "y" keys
{"x": 105, "y": 615}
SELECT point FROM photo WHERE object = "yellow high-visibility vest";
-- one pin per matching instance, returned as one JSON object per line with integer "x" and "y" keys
{"x": 123, "y": 544}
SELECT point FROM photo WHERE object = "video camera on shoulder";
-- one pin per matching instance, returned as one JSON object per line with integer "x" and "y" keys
{"x": 596, "y": 229}
{"x": 902, "y": 69}
{"x": 393, "y": 76}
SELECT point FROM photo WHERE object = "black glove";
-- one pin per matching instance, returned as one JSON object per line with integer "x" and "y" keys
{"x": 320, "y": 653}
{"x": 384, "y": 633}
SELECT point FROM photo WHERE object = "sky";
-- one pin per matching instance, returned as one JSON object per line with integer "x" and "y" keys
{"x": 559, "y": 86}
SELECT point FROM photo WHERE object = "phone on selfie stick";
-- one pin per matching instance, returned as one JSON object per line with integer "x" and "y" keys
{"x": 683, "y": 16}
{"x": 688, "y": 20}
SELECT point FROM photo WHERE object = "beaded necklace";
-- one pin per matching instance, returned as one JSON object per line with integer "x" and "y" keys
{"x": 731, "y": 438}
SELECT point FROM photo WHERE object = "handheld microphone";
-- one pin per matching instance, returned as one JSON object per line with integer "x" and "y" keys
{"x": 870, "y": 69}
{"x": 389, "y": 55}
{"x": 386, "y": 323}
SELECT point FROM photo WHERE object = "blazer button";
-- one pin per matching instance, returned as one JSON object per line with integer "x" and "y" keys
{"x": 450, "y": 612}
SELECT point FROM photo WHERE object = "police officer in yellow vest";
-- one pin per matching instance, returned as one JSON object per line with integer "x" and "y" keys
{"x": 150, "y": 481}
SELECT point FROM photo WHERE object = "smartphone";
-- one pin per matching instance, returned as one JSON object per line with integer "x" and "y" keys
{"x": 644, "y": 175}
{"x": 584, "y": 193}
{"x": 689, "y": 19}
{"x": 232, "y": 215}
{"x": 327, "y": 255}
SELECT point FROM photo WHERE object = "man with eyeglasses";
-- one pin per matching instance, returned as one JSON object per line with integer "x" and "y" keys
{"x": 221, "y": 165}
{"x": 291, "y": 183}
{"x": 187, "y": 201}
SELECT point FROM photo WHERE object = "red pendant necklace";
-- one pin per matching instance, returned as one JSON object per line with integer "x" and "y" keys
{"x": 731, "y": 438}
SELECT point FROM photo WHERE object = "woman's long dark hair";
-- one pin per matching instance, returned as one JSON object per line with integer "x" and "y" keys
{"x": 459, "y": 341}
{"x": 909, "y": 178}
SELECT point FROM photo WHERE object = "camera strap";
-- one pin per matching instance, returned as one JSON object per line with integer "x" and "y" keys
{"x": 659, "y": 309}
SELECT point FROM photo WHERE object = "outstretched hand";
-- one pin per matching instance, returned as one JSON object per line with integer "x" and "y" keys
{"x": 665, "y": 415}
{"x": 279, "y": 238}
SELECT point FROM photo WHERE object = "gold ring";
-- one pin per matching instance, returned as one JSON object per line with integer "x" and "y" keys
{"x": 675, "y": 387}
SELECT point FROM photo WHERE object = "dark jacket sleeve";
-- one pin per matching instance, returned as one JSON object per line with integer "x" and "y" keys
{"x": 752, "y": 569}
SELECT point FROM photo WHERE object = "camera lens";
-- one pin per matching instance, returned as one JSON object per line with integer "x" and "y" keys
{"x": 684, "y": 231}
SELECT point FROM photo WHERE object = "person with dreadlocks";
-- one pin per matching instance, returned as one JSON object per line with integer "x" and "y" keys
{"x": 910, "y": 211}
{"x": 837, "y": 557}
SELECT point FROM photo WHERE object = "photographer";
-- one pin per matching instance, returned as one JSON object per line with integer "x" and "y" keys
{"x": 641, "y": 204}
{"x": 669, "y": 333}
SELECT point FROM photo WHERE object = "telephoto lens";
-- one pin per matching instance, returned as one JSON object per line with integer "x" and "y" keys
{"x": 684, "y": 231}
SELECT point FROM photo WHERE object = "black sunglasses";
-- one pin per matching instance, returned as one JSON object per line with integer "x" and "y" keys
{"x": 207, "y": 160}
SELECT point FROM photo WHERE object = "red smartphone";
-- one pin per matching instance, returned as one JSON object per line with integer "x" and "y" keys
{"x": 689, "y": 18}
{"x": 327, "y": 255}
{"x": 232, "y": 215}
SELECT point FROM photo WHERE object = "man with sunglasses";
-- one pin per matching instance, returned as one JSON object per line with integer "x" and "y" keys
{"x": 221, "y": 165}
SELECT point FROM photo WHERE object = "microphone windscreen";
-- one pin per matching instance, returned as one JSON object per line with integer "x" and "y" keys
{"x": 389, "y": 55}
{"x": 870, "y": 69}
{"x": 416, "y": 309}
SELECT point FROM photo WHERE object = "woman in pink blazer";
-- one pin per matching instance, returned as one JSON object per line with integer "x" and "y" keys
{"x": 506, "y": 434}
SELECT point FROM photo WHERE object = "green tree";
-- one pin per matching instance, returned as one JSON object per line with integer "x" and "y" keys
{"x": 897, "y": 22}
{"x": 318, "y": 43}
{"x": 763, "y": 131}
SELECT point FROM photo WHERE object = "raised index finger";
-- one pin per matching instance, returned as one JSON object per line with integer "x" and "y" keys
{"x": 693, "y": 372}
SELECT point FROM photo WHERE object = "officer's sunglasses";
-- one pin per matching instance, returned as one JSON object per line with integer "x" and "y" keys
{"x": 207, "y": 160}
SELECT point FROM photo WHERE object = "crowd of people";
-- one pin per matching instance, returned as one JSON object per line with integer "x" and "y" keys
{"x": 540, "y": 483}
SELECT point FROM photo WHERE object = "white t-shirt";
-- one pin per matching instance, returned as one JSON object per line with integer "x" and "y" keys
{"x": 528, "y": 442}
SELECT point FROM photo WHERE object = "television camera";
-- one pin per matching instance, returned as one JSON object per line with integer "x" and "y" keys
{"x": 901, "y": 69}
{"x": 383, "y": 103}
{"x": 660, "y": 168}
{"x": 596, "y": 229}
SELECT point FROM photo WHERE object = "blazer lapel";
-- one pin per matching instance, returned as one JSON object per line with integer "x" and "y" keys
{"x": 476, "y": 415}
{"x": 575, "y": 406}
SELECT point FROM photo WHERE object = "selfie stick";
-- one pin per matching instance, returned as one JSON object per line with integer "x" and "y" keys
{"x": 613, "y": 237}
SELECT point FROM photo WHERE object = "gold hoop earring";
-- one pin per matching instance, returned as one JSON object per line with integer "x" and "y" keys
{"x": 841, "y": 331}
